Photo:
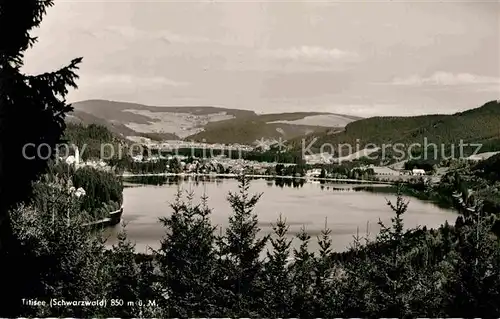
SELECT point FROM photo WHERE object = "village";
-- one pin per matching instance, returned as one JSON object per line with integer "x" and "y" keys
{"x": 222, "y": 164}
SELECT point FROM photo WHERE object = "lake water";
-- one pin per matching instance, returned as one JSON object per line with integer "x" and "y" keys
{"x": 308, "y": 204}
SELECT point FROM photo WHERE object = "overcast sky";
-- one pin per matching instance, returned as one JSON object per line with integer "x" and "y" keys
{"x": 364, "y": 58}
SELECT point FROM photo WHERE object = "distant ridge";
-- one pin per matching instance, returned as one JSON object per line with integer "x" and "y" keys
{"x": 477, "y": 125}
{"x": 209, "y": 123}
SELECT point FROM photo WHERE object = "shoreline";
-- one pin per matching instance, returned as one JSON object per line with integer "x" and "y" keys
{"x": 259, "y": 176}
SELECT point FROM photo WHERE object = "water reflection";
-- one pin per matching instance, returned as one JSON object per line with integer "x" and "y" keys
{"x": 270, "y": 182}
{"x": 295, "y": 183}
{"x": 159, "y": 180}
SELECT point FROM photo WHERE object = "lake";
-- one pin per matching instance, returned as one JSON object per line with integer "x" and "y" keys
{"x": 346, "y": 208}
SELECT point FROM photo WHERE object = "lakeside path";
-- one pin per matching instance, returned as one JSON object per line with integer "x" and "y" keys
{"x": 261, "y": 176}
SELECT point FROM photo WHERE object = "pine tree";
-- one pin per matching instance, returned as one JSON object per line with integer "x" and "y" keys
{"x": 399, "y": 284}
{"x": 148, "y": 275}
{"x": 277, "y": 276}
{"x": 355, "y": 283}
{"x": 36, "y": 102}
{"x": 187, "y": 261}
{"x": 389, "y": 275}
{"x": 302, "y": 272}
{"x": 325, "y": 274}
{"x": 243, "y": 250}
{"x": 65, "y": 260}
{"x": 473, "y": 285}
{"x": 124, "y": 278}
{"x": 26, "y": 101}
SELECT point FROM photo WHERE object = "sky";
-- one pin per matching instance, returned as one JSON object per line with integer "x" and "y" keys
{"x": 364, "y": 58}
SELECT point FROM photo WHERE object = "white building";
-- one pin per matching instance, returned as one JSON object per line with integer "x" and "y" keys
{"x": 313, "y": 172}
{"x": 418, "y": 172}
{"x": 322, "y": 158}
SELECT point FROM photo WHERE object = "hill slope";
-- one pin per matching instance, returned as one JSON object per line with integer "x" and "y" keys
{"x": 212, "y": 124}
{"x": 271, "y": 126}
{"x": 132, "y": 119}
{"x": 479, "y": 125}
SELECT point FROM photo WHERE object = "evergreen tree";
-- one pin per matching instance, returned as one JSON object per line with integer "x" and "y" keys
{"x": 325, "y": 274}
{"x": 149, "y": 287}
{"x": 225, "y": 297}
{"x": 302, "y": 272}
{"x": 277, "y": 274}
{"x": 243, "y": 250}
{"x": 187, "y": 261}
{"x": 399, "y": 286}
{"x": 124, "y": 278}
{"x": 389, "y": 276}
{"x": 26, "y": 101}
{"x": 32, "y": 110}
{"x": 356, "y": 287}
{"x": 473, "y": 286}
{"x": 65, "y": 260}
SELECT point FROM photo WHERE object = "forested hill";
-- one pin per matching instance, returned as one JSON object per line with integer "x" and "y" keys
{"x": 213, "y": 124}
{"x": 479, "y": 125}
{"x": 93, "y": 139}
{"x": 271, "y": 126}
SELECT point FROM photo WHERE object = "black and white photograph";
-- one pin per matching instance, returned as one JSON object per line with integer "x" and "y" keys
{"x": 250, "y": 159}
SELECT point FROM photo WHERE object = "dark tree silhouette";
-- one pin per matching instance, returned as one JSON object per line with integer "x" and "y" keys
{"x": 32, "y": 111}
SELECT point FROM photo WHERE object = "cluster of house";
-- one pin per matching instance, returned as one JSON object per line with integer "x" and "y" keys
{"x": 157, "y": 158}
{"x": 378, "y": 170}
{"x": 228, "y": 165}
{"x": 179, "y": 144}
{"x": 77, "y": 162}
{"x": 217, "y": 164}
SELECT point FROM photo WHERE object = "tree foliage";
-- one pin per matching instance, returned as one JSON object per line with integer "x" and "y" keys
{"x": 198, "y": 272}
{"x": 32, "y": 112}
